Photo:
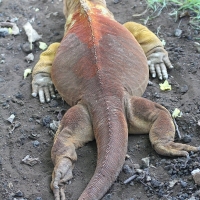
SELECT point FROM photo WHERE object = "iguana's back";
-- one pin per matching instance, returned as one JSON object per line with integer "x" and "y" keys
{"x": 98, "y": 65}
{"x": 98, "y": 57}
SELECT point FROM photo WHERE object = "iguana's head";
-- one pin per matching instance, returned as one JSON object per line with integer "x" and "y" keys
{"x": 70, "y": 6}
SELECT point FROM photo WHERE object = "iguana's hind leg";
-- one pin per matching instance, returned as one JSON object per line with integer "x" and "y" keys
{"x": 146, "y": 116}
{"x": 74, "y": 131}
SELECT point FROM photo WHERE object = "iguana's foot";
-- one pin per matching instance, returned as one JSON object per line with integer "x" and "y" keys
{"x": 61, "y": 174}
{"x": 43, "y": 87}
{"x": 158, "y": 62}
{"x": 175, "y": 149}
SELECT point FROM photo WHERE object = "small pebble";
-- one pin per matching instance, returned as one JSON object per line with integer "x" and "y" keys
{"x": 19, "y": 194}
{"x": 38, "y": 198}
{"x": 107, "y": 197}
{"x": 36, "y": 143}
{"x": 187, "y": 139}
{"x": 27, "y": 47}
{"x": 184, "y": 89}
{"x": 183, "y": 184}
{"x": 178, "y": 32}
{"x": 3, "y": 32}
{"x": 155, "y": 183}
{"x": 2, "y": 80}
{"x": 46, "y": 121}
{"x": 197, "y": 45}
{"x": 29, "y": 58}
{"x": 19, "y": 96}
{"x": 127, "y": 169}
{"x": 145, "y": 162}
{"x": 196, "y": 176}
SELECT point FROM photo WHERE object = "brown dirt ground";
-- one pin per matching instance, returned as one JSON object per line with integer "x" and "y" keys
{"x": 15, "y": 98}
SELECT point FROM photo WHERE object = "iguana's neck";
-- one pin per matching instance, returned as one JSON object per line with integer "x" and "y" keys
{"x": 83, "y": 7}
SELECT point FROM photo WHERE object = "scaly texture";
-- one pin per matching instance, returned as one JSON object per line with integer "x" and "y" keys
{"x": 96, "y": 55}
{"x": 101, "y": 71}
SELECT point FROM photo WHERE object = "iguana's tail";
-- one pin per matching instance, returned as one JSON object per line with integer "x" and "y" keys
{"x": 111, "y": 133}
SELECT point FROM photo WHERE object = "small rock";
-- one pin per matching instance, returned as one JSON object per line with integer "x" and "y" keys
{"x": 183, "y": 184}
{"x": 187, "y": 139}
{"x": 11, "y": 118}
{"x": 19, "y": 96}
{"x": 197, "y": 45}
{"x": 36, "y": 143}
{"x": 148, "y": 178}
{"x": 116, "y": 1}
{"x": 26, "y": 47}
{"x": 2, "y": 80}
{"x": 53, "y": 103}
{"x": 127, "y": 169}
{"x": 198, "y": 123}
{"x": 178, "y": 32}
{"x": 29, "y": 58}
{"x": 54, "y": 125}
{"x": 107, "y": 197}
{"x": 46, "y": 121}
{"x": 196, "y": 176}
{"x": 150, "y": 83}
{"x": 33, "y": 136}
{"x": 155, "y": 183}
{"x": 4, "y": 32}
{"x": 139, "y": 171}
{"x": 184, "y": 89}
{"x": 189, "y": 37}
{"x": 145, "y": 162}
{"x": 19, "y": 194}
{"x": 2, "y": 61}
{"x": 38, "y": 198}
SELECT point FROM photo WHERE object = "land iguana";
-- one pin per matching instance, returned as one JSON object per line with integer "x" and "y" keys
{"x": 100, "y": 68}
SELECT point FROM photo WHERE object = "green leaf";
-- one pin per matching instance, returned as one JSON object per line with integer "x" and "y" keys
{"x": 165, "y": 86}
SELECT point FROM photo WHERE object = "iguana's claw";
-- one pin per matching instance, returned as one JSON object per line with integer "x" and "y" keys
{"x": 158, "y": 62}
{"x": 61, "y": 174}
{"x": 43, "y": 86}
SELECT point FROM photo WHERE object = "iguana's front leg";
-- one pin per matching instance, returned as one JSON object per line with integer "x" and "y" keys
{"x": 41, "y": 83}
{"x": 158, "y": 60}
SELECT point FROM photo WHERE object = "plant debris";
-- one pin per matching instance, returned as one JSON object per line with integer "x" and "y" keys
{"x": 30, "y": 161}
{"x": 165, "y": 85}
{"x": 31, "y": 33}
{"x": 27, "y": 72}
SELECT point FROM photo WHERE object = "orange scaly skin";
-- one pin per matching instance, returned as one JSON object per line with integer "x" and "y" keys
{"x": 101, "y": 71}
{"x": 86, "y": 61}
